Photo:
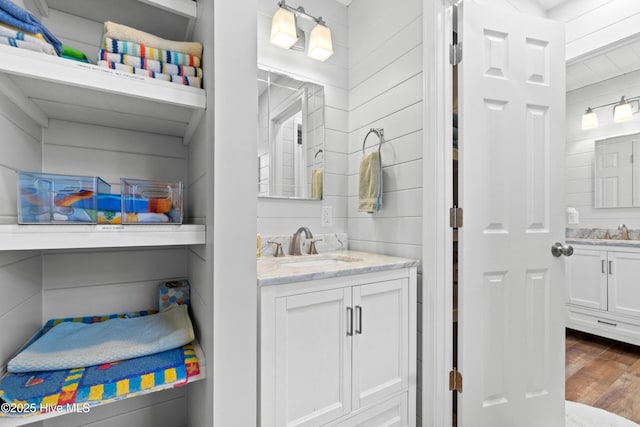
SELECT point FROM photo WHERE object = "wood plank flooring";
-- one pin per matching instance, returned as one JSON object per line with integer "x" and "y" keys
{"x": 603, "y": 373}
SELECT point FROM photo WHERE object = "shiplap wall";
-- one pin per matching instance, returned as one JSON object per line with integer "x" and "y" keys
{"x": 278, "y": 216}
{"x": 593, "y": 24}
{"x": 20, "y": 271}
{"x": 580, "y": 148}
{"x": 386, "y": 90}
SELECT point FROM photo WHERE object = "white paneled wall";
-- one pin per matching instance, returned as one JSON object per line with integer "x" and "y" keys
{"x": 593, "y": 24}
{"x": 281, "y": 216}
{"x": 386, "y": 91}
{"x": 580, "y": 148}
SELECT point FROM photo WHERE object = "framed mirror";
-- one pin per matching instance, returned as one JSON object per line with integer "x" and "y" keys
{"x": 617, "y": 174}
{"x": 290, "y": 137}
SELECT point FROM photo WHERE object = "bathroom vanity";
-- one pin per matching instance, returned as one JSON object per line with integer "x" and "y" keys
{"x": 337, "y": 340}
{"x": 602, "y": 294}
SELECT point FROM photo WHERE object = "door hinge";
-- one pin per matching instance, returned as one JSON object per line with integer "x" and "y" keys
{"x": 455, "y": 217}
{"x": 455, "y": 380}
{"x": 455, "y": 53}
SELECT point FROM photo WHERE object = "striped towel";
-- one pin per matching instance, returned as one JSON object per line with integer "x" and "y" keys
{"x": 122, "y": 32}
{"x": 185, "y": 80}
{"x": 34, "y": 45}
{"x": 135, "y": 49}
{"x": 150, "y": 64}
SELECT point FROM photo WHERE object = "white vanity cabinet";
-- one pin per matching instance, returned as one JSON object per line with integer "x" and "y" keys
{"x": 339, "y": 351}
{"x": 603, "y": 290}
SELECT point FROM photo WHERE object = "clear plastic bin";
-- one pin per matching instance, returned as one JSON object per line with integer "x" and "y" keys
{"x": 46, "y": 198}
{"x": 151, "y": 202}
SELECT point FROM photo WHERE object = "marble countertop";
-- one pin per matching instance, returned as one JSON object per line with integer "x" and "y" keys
{"x": 289, "y": 269}
{"x": 605, "y": 242}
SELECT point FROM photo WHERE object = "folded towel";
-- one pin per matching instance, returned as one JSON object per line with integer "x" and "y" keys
{"x": 35, "y": 41}
{"x": 150, "y": 64}
{"x": 316, "y": 183}
{"x": 33, "y": 45}
{"x": 15, "y": 16}
{"x": 185, "y": 80}
{"x": 143, "y": 51}
{"x": 112, "y": 202}
{"x": 109, "y": 217}
{"x": 370, "y": 183}
{"x": 122, "y": 32}
{"x": 75, "y": 345}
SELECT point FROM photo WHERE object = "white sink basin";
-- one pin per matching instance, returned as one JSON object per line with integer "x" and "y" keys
{"x": 321, "y": 261}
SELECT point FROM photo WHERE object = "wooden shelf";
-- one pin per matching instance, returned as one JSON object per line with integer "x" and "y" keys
{"x": 15, "y": 422}
{"x": 47, "y": 87}
{"x": 63, "y": 236}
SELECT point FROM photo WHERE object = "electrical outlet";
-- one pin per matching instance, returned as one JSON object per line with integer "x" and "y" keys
{"x": 327, "y": 216}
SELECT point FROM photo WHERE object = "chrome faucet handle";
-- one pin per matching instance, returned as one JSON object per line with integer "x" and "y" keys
{"x": 312, "y": 247}
{"x": 278, "y": 252}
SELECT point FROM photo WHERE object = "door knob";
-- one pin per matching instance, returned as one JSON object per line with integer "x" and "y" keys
{"x": 559, "y": 249}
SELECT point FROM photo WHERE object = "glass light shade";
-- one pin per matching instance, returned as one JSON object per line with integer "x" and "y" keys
{"x": 622, "y": 112}
{"x": 283, "y": 28}
{"x": 320, "y": 46}
{"x": 589, "y": 120}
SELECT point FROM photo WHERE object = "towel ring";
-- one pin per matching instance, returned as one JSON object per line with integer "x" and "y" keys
{"x": 319, "y": 151}
{"x": 379, "y": 132}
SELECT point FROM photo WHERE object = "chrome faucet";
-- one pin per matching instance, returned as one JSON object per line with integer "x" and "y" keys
{"x": 295, "y": 248}
{"x": 625, "y": 232}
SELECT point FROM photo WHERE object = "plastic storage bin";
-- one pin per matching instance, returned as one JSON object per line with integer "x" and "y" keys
{"x": 151, "y": 202}
{"x": 46, "y": 198}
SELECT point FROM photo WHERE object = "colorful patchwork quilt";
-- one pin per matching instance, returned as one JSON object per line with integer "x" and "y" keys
{"x": 76, "y": 390}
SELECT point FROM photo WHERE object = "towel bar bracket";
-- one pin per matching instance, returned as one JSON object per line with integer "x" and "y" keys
{"x": 379, "y": 133}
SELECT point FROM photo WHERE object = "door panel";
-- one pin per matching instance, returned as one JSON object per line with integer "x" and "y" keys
{"x": 313, "y": 358}
{"x": 381, "y": 341}
{"x": 511, "y": 175}
{"x": 587, "y": 279}
{"x": 624, "y": 292}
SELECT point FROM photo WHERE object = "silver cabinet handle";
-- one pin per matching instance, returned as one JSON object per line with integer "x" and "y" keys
{"x": 358, "y": 319}
{"x": 607, "y": 323}
{"x": 610, "y": 267}
{"x": 349, "y": 321}
{"x": 602, "y": 263}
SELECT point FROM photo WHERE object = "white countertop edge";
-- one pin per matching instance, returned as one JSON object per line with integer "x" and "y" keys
{"x": 371, "y": 262}
{"x": 605, "y": 242}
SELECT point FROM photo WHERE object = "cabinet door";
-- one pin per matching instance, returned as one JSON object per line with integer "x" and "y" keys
{"x": 587, "y": 279}
{"x": 624, "y": 283}
{"x": 312, "y": 358}
{"x": 380, "y": 341}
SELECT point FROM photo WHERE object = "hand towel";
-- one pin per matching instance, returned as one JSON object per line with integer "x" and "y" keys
{"x": 143, "y": 51}
{"x": 370, "y": 183}
{"x": 74, "y": 54}
{"x": 184, "y": 80}
{"x": 150, "y": 64}
{"x": 36, "y": 41}
{"x": 316, "y": 183}
{"x": 122, "y": 32}
{"x": 15, "y": 16}
{"x": 75, "y": 345}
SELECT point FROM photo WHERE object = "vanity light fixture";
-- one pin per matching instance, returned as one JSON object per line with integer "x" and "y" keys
{"x": 284, "y": 28}
{"x": 622, "y": 112}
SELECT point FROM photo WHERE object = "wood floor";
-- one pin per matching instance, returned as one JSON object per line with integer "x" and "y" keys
{"x": 603, "y": 373}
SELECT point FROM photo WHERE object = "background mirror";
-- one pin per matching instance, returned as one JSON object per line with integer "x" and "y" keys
{"x": 290, "y": 137}
{"x": 617, "y": 176}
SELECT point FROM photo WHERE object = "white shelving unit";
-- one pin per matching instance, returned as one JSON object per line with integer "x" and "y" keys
{"x": 46, "y": 87}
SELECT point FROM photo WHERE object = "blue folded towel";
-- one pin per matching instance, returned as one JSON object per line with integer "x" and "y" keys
{"x": 15, "y": 16}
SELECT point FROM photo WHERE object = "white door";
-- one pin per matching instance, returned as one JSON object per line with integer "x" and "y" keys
{"x": 511, "y": 165}
{"x": 313, "y": 359}
{"x": 624, "y": 289}
{"x": 587, "y": 279}
{"x": 381, "y": 341}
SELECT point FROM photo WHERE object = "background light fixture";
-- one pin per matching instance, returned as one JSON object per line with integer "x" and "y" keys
{"x": 284, "y": 27}
{"x": 622, "y": 111}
